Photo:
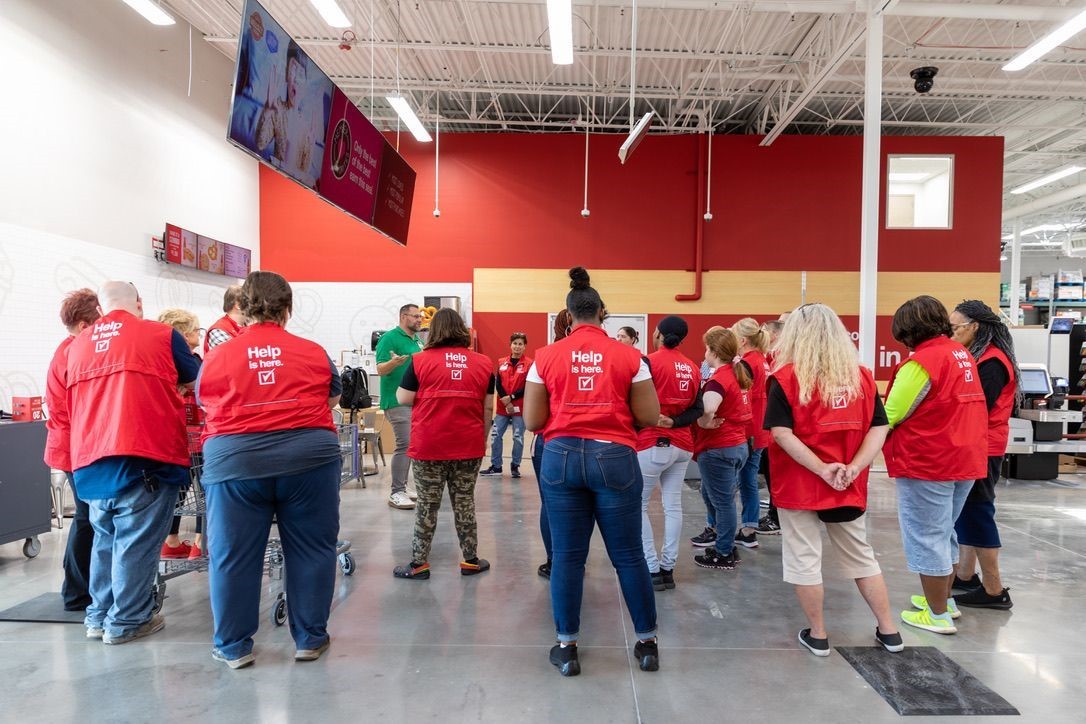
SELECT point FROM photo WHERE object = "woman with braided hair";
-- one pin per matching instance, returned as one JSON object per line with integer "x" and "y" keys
{"x": 976, "y": 327}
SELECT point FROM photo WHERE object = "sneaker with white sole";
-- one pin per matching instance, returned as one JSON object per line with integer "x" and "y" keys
{"x": 401, "y": 501}
{"x": 818, "y": 647}
{"x": 312, "y": 654}
{"x": 412, "y": 494}
{"x": 704, "y": 539}
{"x": 922, "y": 603}
{"x": 749, "y": 540}
{"x": 929, "y": 622}
{"x": 890, "y": 642}
{"x": 156, "y": 624}
{"x": 95, "y": 632}
{"x": 768, "y": 526}
{"x": 239, "y": 663}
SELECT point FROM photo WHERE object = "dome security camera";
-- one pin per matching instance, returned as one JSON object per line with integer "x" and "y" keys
{"x": 708, "y": 216}
{"x": 585, "y": 213}
{"x": 437, "y": 213}
{"x": 924, "y": 78}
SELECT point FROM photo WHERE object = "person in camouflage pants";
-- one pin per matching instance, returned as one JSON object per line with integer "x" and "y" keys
{"x": 431, "y": 477}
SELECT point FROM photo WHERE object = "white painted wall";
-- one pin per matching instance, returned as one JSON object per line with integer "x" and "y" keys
{"x": 102, "y": 146}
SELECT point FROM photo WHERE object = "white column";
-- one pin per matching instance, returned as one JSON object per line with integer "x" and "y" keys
{"x": 1016, "y": 272}
{"x": 869, "y": 214}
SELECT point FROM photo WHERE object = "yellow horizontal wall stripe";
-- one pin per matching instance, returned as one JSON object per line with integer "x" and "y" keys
{"x": 760, "y": 293}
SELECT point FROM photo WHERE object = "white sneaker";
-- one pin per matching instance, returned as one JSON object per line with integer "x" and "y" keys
{"x": 401, "y": 501}
{"x": 412, "y": 494}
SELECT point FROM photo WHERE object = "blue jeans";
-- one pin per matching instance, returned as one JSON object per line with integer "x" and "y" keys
{"x": 544, "y": 524}
{"x": 239, "y": 517}
{"x": 719, "y": 477}
{"x": 710, "y": 511}
{"x": 586, "y": 482}
{"x": 128, "y": 532}
{"x": 664, "y": 467}
{"x": 497, "y": 431}
{"x": 748, "y": 488}
{"x": 926, "y": 512}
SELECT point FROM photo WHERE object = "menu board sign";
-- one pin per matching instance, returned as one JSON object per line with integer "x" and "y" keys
{"x": 210, "y": 255}
{"x": 173, "y": 244}
{"x": 190, "y": 249}
{"x": 237, "y": 262}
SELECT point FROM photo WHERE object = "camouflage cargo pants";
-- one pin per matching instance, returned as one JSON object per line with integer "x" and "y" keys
{"x": 431, "y": 477}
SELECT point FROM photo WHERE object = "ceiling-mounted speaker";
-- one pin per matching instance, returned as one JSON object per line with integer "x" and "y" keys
{"x": 639, "y": 130}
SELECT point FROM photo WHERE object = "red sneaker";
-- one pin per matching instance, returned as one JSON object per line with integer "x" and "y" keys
{"x": 180, "y": 552}
{"x": 196, "y": 552}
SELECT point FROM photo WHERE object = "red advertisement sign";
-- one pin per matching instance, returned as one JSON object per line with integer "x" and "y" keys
{"x": 392, "y": 213}
{"x": 352, "y": 159}
{"x": 173, "y": 244}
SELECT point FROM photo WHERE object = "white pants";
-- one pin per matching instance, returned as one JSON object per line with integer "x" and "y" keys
{"x": 666, "y": 467}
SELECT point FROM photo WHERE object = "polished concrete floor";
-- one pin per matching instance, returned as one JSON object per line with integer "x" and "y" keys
{"x": 459, "y": 649}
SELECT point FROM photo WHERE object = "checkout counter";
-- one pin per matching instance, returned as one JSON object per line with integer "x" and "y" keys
{"x": 1038, "y": 433}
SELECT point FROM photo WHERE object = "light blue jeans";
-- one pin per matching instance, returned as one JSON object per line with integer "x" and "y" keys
{"x": 666, "y": 467}
{"x": 719, "y": 477}
{"x": 128, "y": 534}
{"x": 926, "y": 511}
{"x": 748, "y": 488}
{"x": 497, "y": 431}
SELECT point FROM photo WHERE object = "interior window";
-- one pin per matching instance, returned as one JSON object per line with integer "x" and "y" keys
{"x": 919, "y": 192}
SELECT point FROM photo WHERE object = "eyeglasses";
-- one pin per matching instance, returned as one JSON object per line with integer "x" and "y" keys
{"x": 954, "y": 327}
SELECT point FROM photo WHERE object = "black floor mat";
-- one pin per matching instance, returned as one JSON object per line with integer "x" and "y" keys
{"x": 921, "y": 680}
{"x": 46, "y": 608}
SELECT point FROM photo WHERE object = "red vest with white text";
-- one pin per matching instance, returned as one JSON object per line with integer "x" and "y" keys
{"x": 226, "y": 324}
{"x": 266, "y": 380}
{"x": 447, "y": 417}
{"x": 734, "y": 410}
{"x": 122, "y": 392}
{"x": 513, "y": 376}
{"x": 759, "y": 368}
{"x": 58, "y": 454}
{"x": 676, "y": 379}
{"x": 945, "y": 438}
{"x": 1000, "y": 414}
{"x": 588, "y": 377}
{"x": 833, "y": 432}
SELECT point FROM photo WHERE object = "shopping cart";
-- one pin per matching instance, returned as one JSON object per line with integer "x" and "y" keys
{"x": 190, "y": 503}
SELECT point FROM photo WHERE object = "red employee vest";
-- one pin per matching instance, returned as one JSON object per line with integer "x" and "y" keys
{"x": 513, "y": 378}
{"x": 122, "y": 392}
{"x": 588, "y": 377}
{"x": 677, "y": 382}
{"x": 734, "y": 410}
{"x": 58, "y": 454}
{"x": 226, "y": 324}
{"x": 759, "y": 368}
{"x": 266, "y": 380}
{"x": 1000, "y": 414}
{"x": 945, "y": 438}
{"x": 447, "y": 417}
{"x": 834, "y": 433}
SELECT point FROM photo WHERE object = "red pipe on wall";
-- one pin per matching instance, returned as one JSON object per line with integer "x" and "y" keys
{"x": 699, "y": 235}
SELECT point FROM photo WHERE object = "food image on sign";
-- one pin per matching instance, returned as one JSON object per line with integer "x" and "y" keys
{"x": 189, "y": 248}
{"x": 211, "y": 256}
{"x": 341, "y": 149}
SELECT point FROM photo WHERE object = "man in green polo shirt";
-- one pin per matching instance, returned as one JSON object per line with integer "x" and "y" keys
{"x": 394, "y": 349}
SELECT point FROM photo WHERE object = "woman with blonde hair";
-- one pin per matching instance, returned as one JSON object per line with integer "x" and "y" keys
{"x": 827, "y": 425}
{"x": 753, "y": 345}
{"x": 721, "y": 442}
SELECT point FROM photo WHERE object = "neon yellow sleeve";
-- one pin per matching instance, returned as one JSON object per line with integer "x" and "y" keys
{"x": 910, "y": 386}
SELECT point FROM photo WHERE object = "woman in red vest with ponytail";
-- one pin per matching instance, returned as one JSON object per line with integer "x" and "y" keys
{"x": 589, "y": 391}
{"x": 937, "y": 447}
{"x": 721, "y": 442}
{"x": 753, "y": 345}
{"x": 827, "y": 425}
{"x": 270, "y": 451}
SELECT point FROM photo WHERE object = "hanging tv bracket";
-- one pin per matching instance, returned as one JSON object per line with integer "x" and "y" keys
{"x": 641, "y": 128}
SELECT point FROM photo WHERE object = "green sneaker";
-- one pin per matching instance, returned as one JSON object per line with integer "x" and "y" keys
{"x": 922, "y": 603}
{"x": 924, "y": 620}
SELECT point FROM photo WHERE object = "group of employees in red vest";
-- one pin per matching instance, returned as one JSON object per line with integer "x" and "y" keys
{"x": 610, "y": 427}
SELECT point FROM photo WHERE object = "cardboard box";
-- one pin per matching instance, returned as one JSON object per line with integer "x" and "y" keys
{"x": 26, "y": 409}
{"x": 1069, "y": 276}
{"x": 1069, "y": 293}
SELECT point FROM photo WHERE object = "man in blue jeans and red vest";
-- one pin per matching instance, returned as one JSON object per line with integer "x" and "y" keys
{"x": 129, "y": 454}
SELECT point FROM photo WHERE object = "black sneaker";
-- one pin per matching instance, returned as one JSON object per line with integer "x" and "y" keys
{"x": 491, "y": 471}
{"x": 750, "y": 540}
{"x": 544, "y": 570}
{"x": 768, "y": 526}
{"x": 890, "y": 642}
{"x": 818, "y": 647}
{"x": 514, "y": 470}
{"x": 669, "y": 578}
{"x": 566, "y": 659}
{"x": 712, "y": 558}
{"x": 979, "y": 598}
{"x": 704, "y": 539}
{"x": 647, "y": 654}
{"x": 657, "y": 580}
{"x": 970, "y": 585}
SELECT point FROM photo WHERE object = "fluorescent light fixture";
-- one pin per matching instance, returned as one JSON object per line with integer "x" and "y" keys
{"x": 640, "y": 129}
{"x": 1043, "y": 243}
{"x": 1045, "y": 180}
{"x": 409, "y": 118}
{"x": 1008, "y": 237}
{"x": 560, "y": 20}
{"x": 331, "y": 13}
{"x": 1050, "y": 42}
{"x": 150, "y": 11}
{"x": 1044, "y": 227}
{"x": 908, "y": 177}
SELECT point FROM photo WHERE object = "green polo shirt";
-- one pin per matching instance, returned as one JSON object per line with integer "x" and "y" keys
{"x": 394, "y": 340}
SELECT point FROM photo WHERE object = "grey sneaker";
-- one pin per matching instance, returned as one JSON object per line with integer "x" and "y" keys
{"x": 312, "y": 654}
{"x": 95, "y": 632}
{"x": 401, "y": 501}
{"x": 239, "y": 663}
{"x": 156, "y": 624}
